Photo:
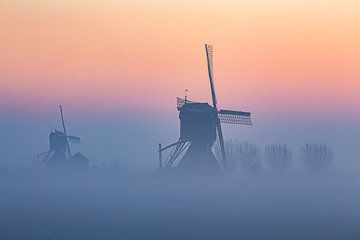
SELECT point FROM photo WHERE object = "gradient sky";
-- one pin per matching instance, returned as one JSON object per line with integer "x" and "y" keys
{"x": 270, "y": 56}
{"x": 282, "y": 60}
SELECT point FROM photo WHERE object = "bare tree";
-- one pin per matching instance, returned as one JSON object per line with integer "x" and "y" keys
{"x": 316, "y": 156}
{"x": 231, "y": 154}
{"x": 278, "y": 157}
{"x": 244, "y": 154}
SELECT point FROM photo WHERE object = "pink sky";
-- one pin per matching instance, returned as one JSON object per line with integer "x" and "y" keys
{"x": 271, "y": 57}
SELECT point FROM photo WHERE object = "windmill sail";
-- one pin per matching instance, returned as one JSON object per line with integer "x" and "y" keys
{"x": 217, "y": 150}
{"x": 64, "y": 129}
{"x": 74, "y": 139}
{"x": 234, "y": 117}
{"x": 209, "y": 58}
{"x": 222, "y": 145}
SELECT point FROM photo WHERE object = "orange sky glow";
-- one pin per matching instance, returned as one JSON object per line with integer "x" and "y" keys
{"x": 270, "y": 57}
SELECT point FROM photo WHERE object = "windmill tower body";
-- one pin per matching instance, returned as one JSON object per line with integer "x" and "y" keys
{"x": 58, "y": 142}
{"x": 200, "y": 132}
{"x": 57, "y": 151}
{"x": 197, "y": 123}
{"x": 198, "y": 128}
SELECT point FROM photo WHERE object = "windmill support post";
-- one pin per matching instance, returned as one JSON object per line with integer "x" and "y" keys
{"x": 177, "y": 148}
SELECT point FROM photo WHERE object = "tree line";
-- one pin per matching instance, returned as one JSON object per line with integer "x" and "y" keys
{"x": 279, "y": 157}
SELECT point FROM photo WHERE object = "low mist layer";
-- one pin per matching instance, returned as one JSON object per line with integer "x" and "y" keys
{"x": 117, "y": 206}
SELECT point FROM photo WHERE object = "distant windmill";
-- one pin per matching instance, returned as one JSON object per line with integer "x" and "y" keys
{"x": 59, "y": 152}
{"x": 200, "y": 131}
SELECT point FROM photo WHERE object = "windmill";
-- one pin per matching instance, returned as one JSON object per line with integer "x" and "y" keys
{"x": 59, "y": 152}
{"x": 201, "y": 132}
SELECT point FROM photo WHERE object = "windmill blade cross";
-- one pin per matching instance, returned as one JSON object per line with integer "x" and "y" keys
{"x": 235, "y": 117}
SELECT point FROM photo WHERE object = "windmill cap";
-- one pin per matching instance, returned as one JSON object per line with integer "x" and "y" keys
{"x": 197, "y": 107}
